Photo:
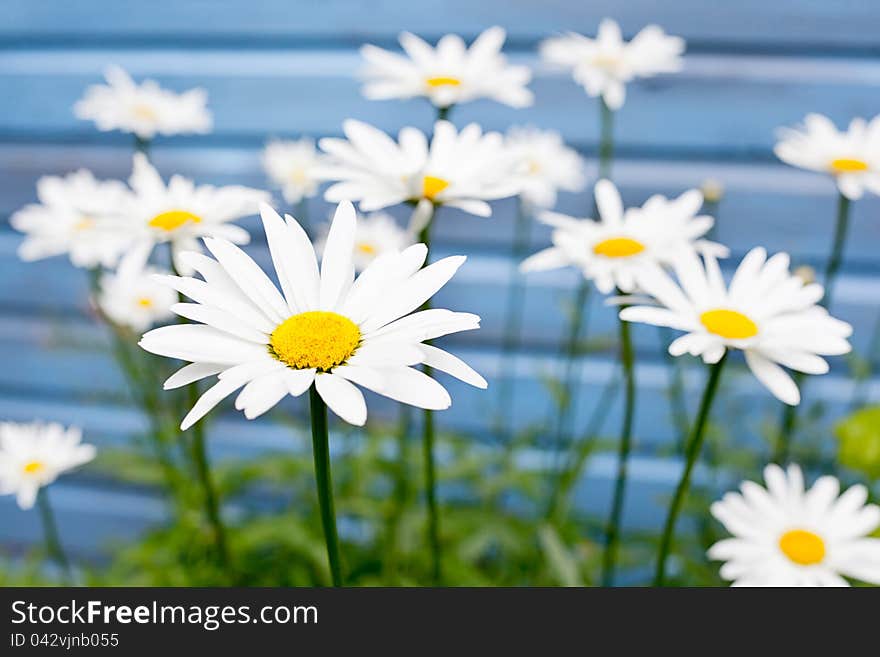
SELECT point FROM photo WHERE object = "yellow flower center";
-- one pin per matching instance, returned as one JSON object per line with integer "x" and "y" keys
{"x": 366, "y": 248}
{"x": 144, "y": 112}
{"x": 728, "y": 324}
{"x": 441, "y": 81}
{"x": 173, "y": 219}
{"x": 534, "y": 167}
{"x": 803, "y": 547}
{"x": 33, "y": 467}
{"x": 848, "y": 165}
{"x": 84, "y": 224}
{"x": 314, "y": 339}
{"x": 145, "y": 302}
{"x": 298, "y": 176}
{"x": 431, "y": 186}
{"x": 618, "y": 247}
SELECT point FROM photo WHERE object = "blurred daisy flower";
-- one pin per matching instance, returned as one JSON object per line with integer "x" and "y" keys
{"x": 292, "y": 166}
{"x": 132, "y": 297}
{"x": 181, "y": 212}
{"x": 604, "y": 65}
{"x": 544, "y": 164}
{"x": 449, "y": 74}
{"x": 786, "y": 536}
{"x": 76, "y": 215}
{"x": 852, "y": 157}
{"x": 767, "y": 312}
{"x": 145, "y": 110}
{"x": 375, "y": 235}
{"x": 325, "y": 328}
{"x": 33, "y": 455}
{"x": 459, "y": 169}
{"x": 612, "y": 250}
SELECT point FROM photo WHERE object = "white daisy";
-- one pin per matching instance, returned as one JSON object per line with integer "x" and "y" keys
{"x": 33, "y": 455}
{"x": 604, "y": 65}
{"x": 132, "y": 297}
{"x": 292, "y": 165}
{"x": 181, "y": 212}
{"x": 449, "y": 74}
{"x": 612, "y": 250}
{"x": 852, "y": 157}
{"x": 767, "y": 312}
{"x": 77, "y": 215}
{"x": 145, "y": 110}
{"x": 325, "y": 328}
{"x": 545, "y": 165}
{"x": 786, "y": 536}
{"x": 459, "y": 169}
{"x": 375, "y": 235}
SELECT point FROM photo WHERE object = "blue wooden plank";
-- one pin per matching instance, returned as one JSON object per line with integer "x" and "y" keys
{"x": 768, "y": 204}
{"x": 846, "y": 23}
{"x": 259, "y": 94}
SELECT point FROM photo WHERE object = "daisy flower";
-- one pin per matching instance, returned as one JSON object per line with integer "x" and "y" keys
{"x": 33, "y": 455}
{"x": 851, "y": 157}
{"x": 375, "y": 235}
{"x": 459, "y": 169}
{"x": 76, "y": 215}
{"x": 766, "y": 312}
{"x": 324, "y": 327}
{"x": 132, "y": 297}
{"x": 292, "y": 165}
{"x": 604, "y": 65}
{"x": 181, "y": 212}
{"x": 612, "y": 250}
{"x": 545, "y": 165}
{"x": 145, "y": 110}
{"x": 449, "y": 74}
{"x": 784, "y": 535}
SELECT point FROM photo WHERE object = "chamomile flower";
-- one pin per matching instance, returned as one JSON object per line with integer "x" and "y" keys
{"x": 132, "y": 297}
{"x": 181, "y": 212}
{"x": 784, "y": 535}
{"x": 612, "y": 250}
{"x": 375, "y": 235}
{"x": 544, "y": 164}
{"x": 449, "y": 74}
{"x": 145, "y": 110}
{"x": 767, "y": 312}
{"x": 76, "y": 215}
{"x": 459, "y": 169}
{"x": 292, "y": 165}
{"x": 604, "y": 65}
{"x": 851, "y": 157}
{"x": 33, "y": 455}
{"x": 325, "y": 328}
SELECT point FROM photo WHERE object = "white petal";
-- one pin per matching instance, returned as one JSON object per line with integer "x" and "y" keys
{"x": 199, "y": 343}
{"x": 773, "y": 377}
{"x": 298, "y": 381}
{"x": 220, "y": 320}
{"x": 343, "y": 398}
{"x": 452, "y": 365}
{"x": 192, "y": 372}
{"x": 337, "y": 268}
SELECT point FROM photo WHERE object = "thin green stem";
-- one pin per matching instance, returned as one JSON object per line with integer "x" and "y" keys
{"x": 50, "y": 531}
{"x": 788, "y": 423}
{"x": 695, "y": 443}
{"x": 203, "y": 471}
{"x": 444, "y": 112}
{"x": 606, "y": 143}
{"x": 142, "y": 145}
{"x": 324, "y": 482}
{"x": 612, "y": 532}
{"x": 513, "y": 318}
{"x": 428, "y": 439}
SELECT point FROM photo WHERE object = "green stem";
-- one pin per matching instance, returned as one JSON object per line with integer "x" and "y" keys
{"x": 612, "y": 533}
{"x": 324, "y": 482}
{"x": 50, "y": 530}
{"x": 675, "y": 389}
{"x": 606, "y": 143}
{"x": 428, "y": 439}
{"x": 695, "y": 443}
{"x": 302, "y": 215}
{"x": 203, "y": 471}
{"x": 400, "y": 495}
{"x": 513, "y": 318}
{"x": 443, "y": 112}
{"x": 142, "y": 145}
{"x": 788, "y": 422}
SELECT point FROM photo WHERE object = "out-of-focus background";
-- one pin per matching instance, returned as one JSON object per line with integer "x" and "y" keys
{"x": 278, "y": 68}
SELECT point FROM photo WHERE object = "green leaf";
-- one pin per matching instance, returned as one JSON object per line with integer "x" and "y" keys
{"x": 859, "y": 441}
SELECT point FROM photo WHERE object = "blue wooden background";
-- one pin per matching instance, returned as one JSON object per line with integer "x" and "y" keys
{"x": 285, "y": 68}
